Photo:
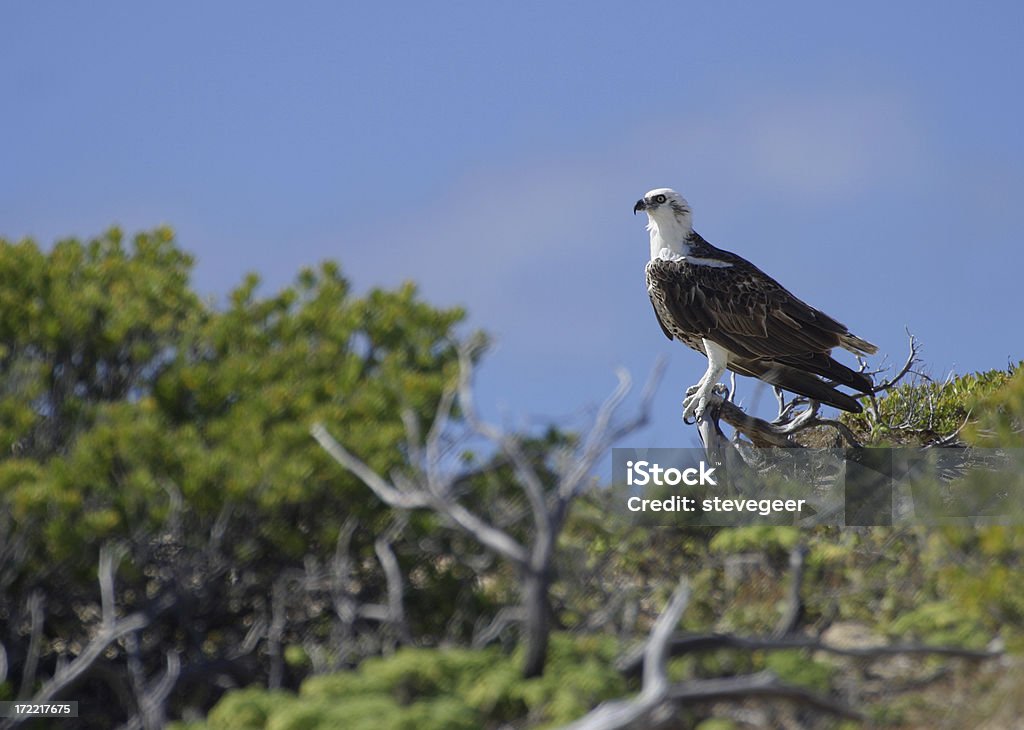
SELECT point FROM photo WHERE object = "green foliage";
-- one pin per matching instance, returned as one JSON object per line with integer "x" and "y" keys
{"x": 439, "y": 688}
{"x": 246, "y": 709}
{"x": 122, "y": 387}
{"x": 940, "y": 623}
{"x": 82, "y": 325}
{"x": 999, "y": 414}
{"x": 717, "y": 723}
{"x": 761, "y": 538}
{"x": 796, "y": 668}
{"x": 924, "y": 412}
{"x": 134, "y": 413}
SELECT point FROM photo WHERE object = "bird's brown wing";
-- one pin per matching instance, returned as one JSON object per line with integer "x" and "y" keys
{"x": 753, "y": 316}
{"x": 741, "y": 308}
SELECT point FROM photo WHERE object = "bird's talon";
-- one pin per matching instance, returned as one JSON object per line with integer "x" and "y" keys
{"x": 693, "y": 407}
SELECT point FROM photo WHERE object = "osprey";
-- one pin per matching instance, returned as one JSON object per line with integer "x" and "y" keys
{"x": 722, "y": 305}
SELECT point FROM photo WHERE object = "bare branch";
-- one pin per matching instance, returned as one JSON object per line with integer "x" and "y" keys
{"x": 502, "y": 620}
{"x": 602, "y": 435}
{"x": 638, "y": 712}
{"x": 393, "y": 577}
{"x": 911, "y": 360}
{"x": 658, "y": 698}
{"x": 632, "y": 663}
{"x": 150, "y": 697}
{"x": 412, "y": 436}
{"x": 953, "y": 439}
{"x": 36, "y": 602}
{"x": 778, "y": 433}
{"x": 220, "y": 526}
{"x": 385, "y": 492}
{"x": 341, "y": 572}
{"x": 110, "y": 558}
{"x": 434, "y": 436}
{"x": 432, "y": 488}
{"x": 759, "y": 431}
{"x": 491, "y": 536}
{"x": 509, "y": 445}
{"x": 467, "y": 402}
{"x": 153, "y": 702}
{"x": 655, "y": 677}
{"x": 498, "y": 540}
{"x": 111, "y": 630}
{"x": 842, "y": 428}
{"x": 762, "y": 684}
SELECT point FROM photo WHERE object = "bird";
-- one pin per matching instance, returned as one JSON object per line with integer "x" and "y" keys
{"x": 741, "y": 319}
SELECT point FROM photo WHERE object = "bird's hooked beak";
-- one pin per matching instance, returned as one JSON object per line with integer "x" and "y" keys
{"x": 640, "y": 205}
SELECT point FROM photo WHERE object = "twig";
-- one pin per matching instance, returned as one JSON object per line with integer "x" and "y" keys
{"x": 911, "y": 359}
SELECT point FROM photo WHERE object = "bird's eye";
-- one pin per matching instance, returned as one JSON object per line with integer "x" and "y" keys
{"x": 660, "y": 199}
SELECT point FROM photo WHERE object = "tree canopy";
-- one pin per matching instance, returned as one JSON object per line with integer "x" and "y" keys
{"x": 175, "y": 545}
{"x": 136, "y": 414}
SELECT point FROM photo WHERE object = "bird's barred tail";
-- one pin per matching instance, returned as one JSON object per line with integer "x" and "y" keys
{"x": 856, "y": 345}
{"x": 810, "y": 386}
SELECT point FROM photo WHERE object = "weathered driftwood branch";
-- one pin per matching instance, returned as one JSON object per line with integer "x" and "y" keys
{"x": 659, "y": 699}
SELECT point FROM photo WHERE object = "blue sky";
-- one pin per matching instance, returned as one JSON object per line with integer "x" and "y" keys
{"x": 869, "y": 156}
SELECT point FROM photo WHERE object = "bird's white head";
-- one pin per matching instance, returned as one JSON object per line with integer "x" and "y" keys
{"x": 669, "y": 220}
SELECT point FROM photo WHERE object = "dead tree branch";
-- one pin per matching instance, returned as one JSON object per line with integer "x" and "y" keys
{"x": 631, "y": 664}
{"x": 797, "y": 415}
{"x": 649, "y": 706}
{"x": 912, "y": 359}
{"x": 432, "y": 486}
{"x": 111, "y": 630}
{"x": 382, "y": 546}
{"x": 150, "y": 696}
{"x": 659, "y": 699}
{"x": 501, "y": 621}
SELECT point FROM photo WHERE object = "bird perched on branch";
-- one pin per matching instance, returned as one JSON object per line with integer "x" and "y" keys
{"x": 722, "y": 305}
